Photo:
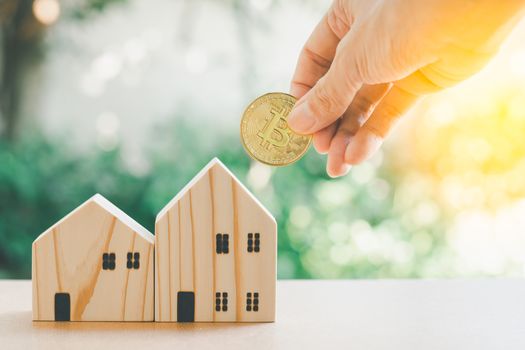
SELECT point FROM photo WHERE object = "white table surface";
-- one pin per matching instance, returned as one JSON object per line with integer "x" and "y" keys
{"x": 357, "y": 314}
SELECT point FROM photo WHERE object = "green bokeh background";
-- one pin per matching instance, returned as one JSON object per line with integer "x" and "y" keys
{"x": 443, "y": 198}
{"x": 320, "y": 220}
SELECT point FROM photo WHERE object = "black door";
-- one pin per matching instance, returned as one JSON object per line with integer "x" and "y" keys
{"x": 62, "y": 307}
{"x": 185, "y": 307}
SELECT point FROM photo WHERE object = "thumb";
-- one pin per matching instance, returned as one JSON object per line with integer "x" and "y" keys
{"x": 330, "y": 96}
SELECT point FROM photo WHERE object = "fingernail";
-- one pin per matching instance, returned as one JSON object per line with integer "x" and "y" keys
{"x": 362, "y": 147}
{"x": 301, "y": 119}
{"x": 345, "y": 168}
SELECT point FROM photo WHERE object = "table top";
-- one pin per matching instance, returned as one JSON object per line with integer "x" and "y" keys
{"x": 355, "y": 314}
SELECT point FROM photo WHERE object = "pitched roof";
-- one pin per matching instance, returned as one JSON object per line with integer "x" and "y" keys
{"x": 214, "y": 162}
{"x": 113, "y": 210}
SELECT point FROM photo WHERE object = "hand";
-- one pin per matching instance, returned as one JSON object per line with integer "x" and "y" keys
{"x": 368, "y": 61}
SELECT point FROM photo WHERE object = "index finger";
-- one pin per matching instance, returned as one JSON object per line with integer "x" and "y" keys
{"x": 316, "y": 56}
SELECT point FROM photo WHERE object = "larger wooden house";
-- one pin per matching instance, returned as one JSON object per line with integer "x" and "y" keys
{"x": 215, "y": 256}
{"x": 96, "y": 264}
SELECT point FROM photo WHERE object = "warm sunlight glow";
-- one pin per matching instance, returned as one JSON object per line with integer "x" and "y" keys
{"x": 46, "y": 11}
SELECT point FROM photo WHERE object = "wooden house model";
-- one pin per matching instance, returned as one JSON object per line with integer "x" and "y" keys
{"x": 215, "y": 253}
{"x": 96, "y": 264}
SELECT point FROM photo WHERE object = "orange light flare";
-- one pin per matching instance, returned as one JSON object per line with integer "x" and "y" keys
{"x": 467, "y": 144}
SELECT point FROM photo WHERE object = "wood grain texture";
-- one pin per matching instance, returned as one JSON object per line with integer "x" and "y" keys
{"x": 68, "y": 258}
{"x": 203, "y": 276}
{"x": 215, "y": 202}
{"x": 225, "y": 277}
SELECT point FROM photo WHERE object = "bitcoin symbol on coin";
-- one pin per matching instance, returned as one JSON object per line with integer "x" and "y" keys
{"x": 273, "y": 134}
{"x": 265, "y": 134}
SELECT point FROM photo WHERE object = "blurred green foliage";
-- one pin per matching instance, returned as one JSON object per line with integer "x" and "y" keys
{"x": 327, "y": 228}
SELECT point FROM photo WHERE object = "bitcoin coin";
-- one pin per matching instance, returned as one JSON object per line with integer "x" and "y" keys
{"x": 265, "y": 134}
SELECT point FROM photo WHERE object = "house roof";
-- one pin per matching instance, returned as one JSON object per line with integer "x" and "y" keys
{"x": 196, "y": 178}
{"x": 113, "y": 210}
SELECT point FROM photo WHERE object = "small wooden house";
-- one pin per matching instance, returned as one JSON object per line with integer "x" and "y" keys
{"x": 215, "y": 253}
{"x": 96, "y": 264}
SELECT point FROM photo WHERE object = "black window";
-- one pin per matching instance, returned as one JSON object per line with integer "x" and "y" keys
{"x": 254, "y": 242}
{"x": 108, "y": 261}
{"x": 133, "y": 260}
{"x": 219, "y": 301}
{"x": 222, "y": 243}
{"x": 252, "y": 301}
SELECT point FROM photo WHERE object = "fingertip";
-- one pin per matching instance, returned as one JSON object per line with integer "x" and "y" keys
{"x": 301, "y": 119}
{"x": 335, "y": 165}
{"x": 322, "y": 139}
{"x": 362, "y": 147}
{"x": 320, "y": 146}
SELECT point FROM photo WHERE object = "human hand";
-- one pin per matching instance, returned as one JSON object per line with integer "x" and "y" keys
{"x": 368, "y": 61}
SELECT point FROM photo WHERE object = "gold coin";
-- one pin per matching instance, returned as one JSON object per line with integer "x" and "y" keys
{"x": 265, "y": 134}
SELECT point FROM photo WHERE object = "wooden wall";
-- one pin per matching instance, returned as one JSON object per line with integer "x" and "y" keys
{"x": 68, "y": 258}
{"x": 186, "y": 258}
